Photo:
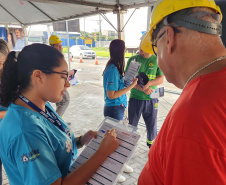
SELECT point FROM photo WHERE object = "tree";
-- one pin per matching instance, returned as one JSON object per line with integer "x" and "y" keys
{"x": 111, "y": 38}
{"x": 97, "y": 35}
{"x": 86, "y": 35}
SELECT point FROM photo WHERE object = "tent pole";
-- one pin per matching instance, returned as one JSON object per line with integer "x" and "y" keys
{"x": 25, "y": 35}
{"x": 68, "y": 47}
{"x": 120, "y": 25}
{"x": 150, "y": 8}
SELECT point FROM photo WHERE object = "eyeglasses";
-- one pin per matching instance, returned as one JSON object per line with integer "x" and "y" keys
{"x": 154, "y": 46}
{"x": 61, "y": 73}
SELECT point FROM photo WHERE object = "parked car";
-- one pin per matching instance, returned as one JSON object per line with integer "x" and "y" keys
{"x": 82, "y": 51}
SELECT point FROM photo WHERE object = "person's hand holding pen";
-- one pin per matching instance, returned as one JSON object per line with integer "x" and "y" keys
{"x": 109, "y": 143}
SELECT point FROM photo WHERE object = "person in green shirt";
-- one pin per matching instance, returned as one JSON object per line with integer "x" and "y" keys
{"x": 140, "y": 101}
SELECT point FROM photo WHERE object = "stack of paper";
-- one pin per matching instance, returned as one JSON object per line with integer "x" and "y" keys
{"x": 109, "y": 170}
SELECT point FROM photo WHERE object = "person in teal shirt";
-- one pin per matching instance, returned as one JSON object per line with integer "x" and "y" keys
{"x": 34, "y": 145}
{"x": 37, "y": 146}
{"x": 114, "y": 90}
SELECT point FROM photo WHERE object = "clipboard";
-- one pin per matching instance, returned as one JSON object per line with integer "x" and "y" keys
{"x": 109, "y": 170}
{"x": 131, "y": 73}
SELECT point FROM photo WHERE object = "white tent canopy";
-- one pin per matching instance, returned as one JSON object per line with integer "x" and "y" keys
{"x": 24, "y": 12}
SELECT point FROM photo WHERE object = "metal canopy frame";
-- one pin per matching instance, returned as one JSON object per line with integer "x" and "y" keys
{"x": 69, "y": 18}
{"x": 20, "y": 12}
{"x": 85, "y": 3}
{"x": 118, "y": 5}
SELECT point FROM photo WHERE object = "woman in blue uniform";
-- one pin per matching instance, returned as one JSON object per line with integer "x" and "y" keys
{"x": 37, "y": 146}
{"x": 114, "y": 90}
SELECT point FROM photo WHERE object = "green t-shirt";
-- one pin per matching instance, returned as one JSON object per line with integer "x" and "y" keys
{"x": 150, "y": 68}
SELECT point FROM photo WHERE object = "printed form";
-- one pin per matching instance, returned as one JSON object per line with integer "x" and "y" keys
{"x": 131, "y": 72}
{"x": 109, "y": 170}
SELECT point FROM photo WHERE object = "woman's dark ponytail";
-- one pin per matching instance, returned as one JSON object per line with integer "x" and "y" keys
{"x": 9, "y": 81}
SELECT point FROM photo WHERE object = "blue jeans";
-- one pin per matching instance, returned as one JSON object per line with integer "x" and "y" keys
{"x": 116, "y": 112}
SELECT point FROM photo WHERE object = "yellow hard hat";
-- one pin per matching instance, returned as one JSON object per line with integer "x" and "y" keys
{"x": 54, "y": 39}
{"x": 163, "y": 8}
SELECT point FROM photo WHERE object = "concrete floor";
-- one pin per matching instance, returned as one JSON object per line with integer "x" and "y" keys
{"x": 85, "y": 111}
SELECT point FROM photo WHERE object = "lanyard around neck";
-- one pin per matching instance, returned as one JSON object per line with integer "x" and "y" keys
{"x": 53, "y": 120}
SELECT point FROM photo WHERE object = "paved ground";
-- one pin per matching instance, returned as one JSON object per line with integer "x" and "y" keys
{"x": 85, "y": 111}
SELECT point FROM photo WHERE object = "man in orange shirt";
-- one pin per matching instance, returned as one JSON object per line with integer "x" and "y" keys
{"x": 191, "y": 145}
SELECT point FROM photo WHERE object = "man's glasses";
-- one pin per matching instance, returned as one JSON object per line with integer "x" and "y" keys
{"x": 154, "y": 46}
{"x": 61, "y": 73}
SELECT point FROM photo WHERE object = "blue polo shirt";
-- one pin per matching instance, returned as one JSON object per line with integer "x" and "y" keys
{"x": 113, "y": 82}
{"x": 33, "y": 150}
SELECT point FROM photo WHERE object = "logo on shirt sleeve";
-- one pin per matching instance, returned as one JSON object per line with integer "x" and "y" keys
{"x": 31, "y": 156}
{"x": 24, "y": 158}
